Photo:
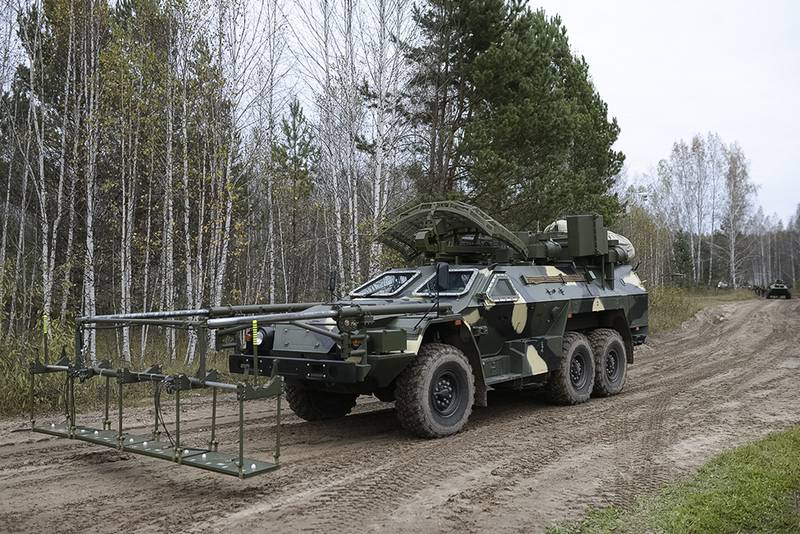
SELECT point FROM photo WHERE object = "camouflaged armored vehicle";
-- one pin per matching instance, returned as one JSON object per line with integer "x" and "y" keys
{"x": 477, "y": 308}
{"x": 778, "y": 289}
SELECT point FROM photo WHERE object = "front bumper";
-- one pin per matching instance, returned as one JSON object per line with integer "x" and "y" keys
{"x": 330, "y": 371}
{"x": 779, "y": 292}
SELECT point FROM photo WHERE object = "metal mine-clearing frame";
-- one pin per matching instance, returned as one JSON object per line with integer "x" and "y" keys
{"x": 152, "y": 444}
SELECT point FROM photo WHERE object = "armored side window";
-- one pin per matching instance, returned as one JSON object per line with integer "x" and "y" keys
{"x": 501, "y": 290}
{"x": 460, "y": 281}
{"x": 386, "y": 285}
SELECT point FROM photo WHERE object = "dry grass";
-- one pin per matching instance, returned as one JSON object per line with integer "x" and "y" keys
{"x": 671, "y": 306}
{"x": 17, "y": 353}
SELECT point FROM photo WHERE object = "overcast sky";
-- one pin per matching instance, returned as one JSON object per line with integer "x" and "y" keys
{"x": 674, "y": 68}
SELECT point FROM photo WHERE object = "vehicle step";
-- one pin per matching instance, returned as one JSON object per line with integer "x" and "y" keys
{"x": 502, "y": 378}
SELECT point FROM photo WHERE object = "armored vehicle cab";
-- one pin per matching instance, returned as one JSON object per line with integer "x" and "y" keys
{"x": 477, "y": 307}
{"x": 778, "y": 289}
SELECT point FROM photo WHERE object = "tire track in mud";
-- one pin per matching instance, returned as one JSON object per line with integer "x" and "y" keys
{"x": 726, "y": 376}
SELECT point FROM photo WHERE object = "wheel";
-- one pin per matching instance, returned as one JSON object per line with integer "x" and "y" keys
{"x": 434, "y": 394}
{"x": 610, "y": 361}
{"x": 573, "y": 381}
{"x": 315, "y": 405}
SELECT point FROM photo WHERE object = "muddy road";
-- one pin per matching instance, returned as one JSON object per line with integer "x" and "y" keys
{"x": 729, "y": 375}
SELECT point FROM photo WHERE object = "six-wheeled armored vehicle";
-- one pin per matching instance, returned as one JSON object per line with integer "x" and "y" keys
{"x": 778, "y": 289}
{"x": 474, "y": 307}
{"x": 477, "y": 307}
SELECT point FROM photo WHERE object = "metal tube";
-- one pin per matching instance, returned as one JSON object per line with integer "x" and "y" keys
{"x": 33, "y": 419}
{"x": 213, "y": 442}
{"x": 106, "y": 422}
{"x": 346, "y": 311}
{"x": 277, "y": 454}
{"x": 271, "y": 318}
{"x": 145, "y": 315}
{"x": 119, "y": 415}
{"x": 158, "y": 322}
{"x": 224, "y": 311}
{"x": 231, "y": 330}
{"x": 241, "y": 436}
{"x": 57, "y": 367}
{"x": 318, "y": 330}
{"x": 156, "y": 408}
{"x": 255, "y": 353}
{"x": 71, "y": 405}
{"x": 178, "y": 425}
{"x": 212, "y": 384}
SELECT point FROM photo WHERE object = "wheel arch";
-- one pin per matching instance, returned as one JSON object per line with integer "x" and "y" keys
{"x": 456, "y": 332}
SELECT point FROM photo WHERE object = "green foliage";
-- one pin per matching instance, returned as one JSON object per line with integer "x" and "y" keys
{"x": 669, "y": 307}
{"x": 513, "y": 121}
{"x": 454, "y": 34}
{"x": 754, "y": 488}
{"x": 682, "y": 259}
{"x": 295, "y": 158}
{"x": 538, "y": 144}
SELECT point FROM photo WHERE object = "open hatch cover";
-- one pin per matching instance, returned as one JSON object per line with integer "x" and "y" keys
{"x": 439, "y": 229}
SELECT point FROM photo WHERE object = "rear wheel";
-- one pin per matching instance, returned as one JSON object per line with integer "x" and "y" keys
{"x": 610, "y": 361}
{"x": 435, "y": 393}
{"x": 573, "y": 381}
{"x": 315, "y": 405}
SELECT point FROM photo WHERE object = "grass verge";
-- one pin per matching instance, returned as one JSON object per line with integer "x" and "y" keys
{"x": 671, "y": 306}
{"x": 753, "y": 488}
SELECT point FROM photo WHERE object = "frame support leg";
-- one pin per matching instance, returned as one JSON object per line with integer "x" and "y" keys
{"x": 178, "y": 425}
{"x": 120, "y": 437}
{"x": 212, "y": 444}
{"x": 156, "y": 409}
{"x": 277, "y": 454}
{"x": 33, "y": 417}
{"x": 241, "y": 437}
{"x": 106, "y": 420}
{"x": 71, "y": 409}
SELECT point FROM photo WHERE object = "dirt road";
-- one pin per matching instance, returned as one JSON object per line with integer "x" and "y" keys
{"x": 728, "y": 376}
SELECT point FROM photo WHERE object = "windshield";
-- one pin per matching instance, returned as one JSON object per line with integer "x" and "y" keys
{"x": 459, "y": 281}
{"x": 386, "y": 284}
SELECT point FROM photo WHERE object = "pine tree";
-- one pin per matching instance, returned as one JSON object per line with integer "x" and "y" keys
{"x": 539, "y": 141}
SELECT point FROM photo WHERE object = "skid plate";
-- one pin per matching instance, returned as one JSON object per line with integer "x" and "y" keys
{"x": 219, "y": 462}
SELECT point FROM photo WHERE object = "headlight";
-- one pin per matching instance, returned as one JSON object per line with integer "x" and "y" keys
{"x": 260, "y": 336}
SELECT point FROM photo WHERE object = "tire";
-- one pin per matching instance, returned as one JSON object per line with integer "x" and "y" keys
{"x": 610, "y": 362}
{"x": 435, "y": 393}
{"x": 315, "y": 405}
{"x": 573, "y": 381}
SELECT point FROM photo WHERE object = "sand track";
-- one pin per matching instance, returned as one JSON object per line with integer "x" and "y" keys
{"x": 727, "y": 376}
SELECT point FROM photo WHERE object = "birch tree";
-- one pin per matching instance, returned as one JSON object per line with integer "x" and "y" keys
{"x": 738, "y": 198}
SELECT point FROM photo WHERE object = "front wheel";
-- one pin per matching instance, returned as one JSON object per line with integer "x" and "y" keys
{"x": 316, "y": 405}
{"x": 435, "y": 393}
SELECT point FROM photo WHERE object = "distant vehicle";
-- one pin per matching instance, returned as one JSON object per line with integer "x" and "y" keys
{"x": 778, "y": 289}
